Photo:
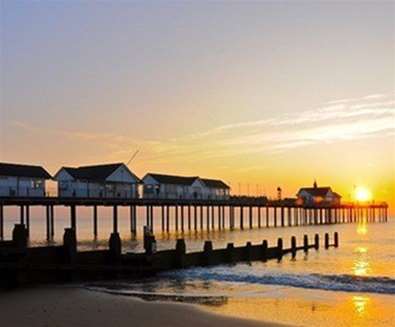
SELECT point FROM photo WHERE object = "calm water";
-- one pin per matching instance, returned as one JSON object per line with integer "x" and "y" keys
{"x": 353, "y": 285}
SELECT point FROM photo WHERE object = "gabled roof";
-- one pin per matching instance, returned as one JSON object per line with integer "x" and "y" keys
{"x": 316, "y": 191}
{"x": 94, "y": 173}
{"x": 16, "y": 170}
{"x": 214, "y": 183}
{"x": 173, "y": 179}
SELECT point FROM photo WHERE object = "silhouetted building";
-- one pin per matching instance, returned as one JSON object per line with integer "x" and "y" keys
{"x": 159, "y": 186}
{"x": 22, "y": 180}
{"x": 100, "y": 181}
{"x": 318, "y": 196}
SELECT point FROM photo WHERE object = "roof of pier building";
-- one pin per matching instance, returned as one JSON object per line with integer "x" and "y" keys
{"x": 172, "y": 179}
{"x": 27, "y": 171}
{"x": 214, "y": 183}
{"x": 95, "y": 172}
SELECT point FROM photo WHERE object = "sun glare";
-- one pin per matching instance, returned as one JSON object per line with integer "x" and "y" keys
{"x": 362, "y": 194}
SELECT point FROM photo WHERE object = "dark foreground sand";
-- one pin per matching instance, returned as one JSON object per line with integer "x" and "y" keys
{"x": 74, "y": 307}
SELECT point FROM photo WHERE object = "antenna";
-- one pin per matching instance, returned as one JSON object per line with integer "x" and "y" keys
{"x": 132, "y": 157}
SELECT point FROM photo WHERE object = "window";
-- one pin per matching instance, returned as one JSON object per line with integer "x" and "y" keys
{"x": 37, "y": 184}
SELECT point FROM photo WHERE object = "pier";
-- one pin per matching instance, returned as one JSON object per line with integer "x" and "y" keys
{"x": 194, "y": 215}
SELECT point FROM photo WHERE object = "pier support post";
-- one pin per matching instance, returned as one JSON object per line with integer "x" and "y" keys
{"x": 195, "y": 217}
{"x": 241, "y": 217}
{"x": 259, "y": 217}
{"x": 201, "y": 211}
{"x": 115, "y": 219}
{"x": 189, "y": 217}
{"x": 167, "y": 218}
{"x": 336, "y": 240}
{"x": 163, "y": 218}
{"x": 267, "y": 216}
{"x": 289, "y": 214}
{"x": 22, "y": 214}
{"x": 48, "y": 223}
{"x": 176, "y": 217}
{"x": 250, "y": 217}
{"x": 275, "y": 216}
{"x": 282, "y": 217}
{"x": 182, "y": 218}
{"x": 52, "y": 211}
{"x": 28, "y": 220}
{"x": 219, "y": 218}
{"x": 208, "y": 218}
{"x": 95, "y": 221}
{"x": 73, "y": 219}
{"x": 212, "y": 218}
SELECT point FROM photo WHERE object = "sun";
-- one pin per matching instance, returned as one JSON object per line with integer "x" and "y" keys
{"x": 362, "y": 194}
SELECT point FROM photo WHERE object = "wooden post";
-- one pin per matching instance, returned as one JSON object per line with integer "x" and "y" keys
{"x": 282, "y": 217}
{"x": 305, "y": 243}
{"x": 195, "y": 217}
{"x": 267, "y": 216}
{"x": 52, "y": 222}
{"x": 201, "y": 217}
{"x": 212, "y": 218}
{"x": 48, "y": 227}
{"x": 208, "y": 218}
{"x": 28, "y": 220}
{"x": 152, "y": 218}
{"x": 264, "y": 250}
{"x": 259, "y": 217}
{"x": 163, "y": 218}
{"x": 1, "y": 222}
{"x": 182, "y": 218}
{"x": 176, "y": 218}
{"x": 326, "y": 240}
{"x": 131, "y": 220}
{"x": 275, "y": 216}
{"x": 147, "y": 216}
{"x": 289, "y": 216}
{"x": 95, "y": 221}
{"x": 336, "y": 240}
{"x": 167, "y": 218}
{"x": 250, "y": 217}
{"x": 189, "y": 217}
{"x": 115, "y": 219}
{"x": 219, "y": 218}
{"x": 241, "y": 218}
{"x": 22, "y": 214}
{"x": 73, "y": 218}
{"x": 279, "y": 249}
{"x": 223, "y": 217}
{"x": 293, "y": 246}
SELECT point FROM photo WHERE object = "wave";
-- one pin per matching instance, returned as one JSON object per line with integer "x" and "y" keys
{"x": 345, "y": 283}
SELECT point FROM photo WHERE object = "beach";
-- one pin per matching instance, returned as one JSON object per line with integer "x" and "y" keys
{"x": 67, "y": 306}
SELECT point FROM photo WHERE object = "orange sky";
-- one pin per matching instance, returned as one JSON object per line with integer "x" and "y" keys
{"x": 260, "y": 94}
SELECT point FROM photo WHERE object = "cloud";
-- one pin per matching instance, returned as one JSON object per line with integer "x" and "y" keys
{"x": 336, "y": 121}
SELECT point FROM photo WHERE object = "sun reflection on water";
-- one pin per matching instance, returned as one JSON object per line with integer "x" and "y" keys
{"x": 362, "y": 228}
{"x": 360, "y": 304}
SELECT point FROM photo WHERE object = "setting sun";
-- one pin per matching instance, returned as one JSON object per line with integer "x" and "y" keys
{"x": 362, "y": 194}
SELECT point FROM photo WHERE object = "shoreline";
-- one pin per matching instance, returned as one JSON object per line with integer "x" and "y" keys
{"x": 72, "y": 306}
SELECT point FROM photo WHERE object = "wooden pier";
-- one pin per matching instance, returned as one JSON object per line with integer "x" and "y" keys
{"x": 198, "y": 214}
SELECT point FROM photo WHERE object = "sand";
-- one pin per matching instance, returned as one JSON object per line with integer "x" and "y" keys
{"x": 74, "y": 307}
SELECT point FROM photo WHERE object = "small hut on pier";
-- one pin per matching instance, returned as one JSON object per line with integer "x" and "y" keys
{"x": 318, "y": 196}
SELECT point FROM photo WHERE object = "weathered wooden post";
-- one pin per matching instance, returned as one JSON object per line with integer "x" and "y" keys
{"x": 73, "y": 218}
{"x": 182, "y": 218}
{"x": 275, "y": 216}
{"x": 293, "y": 247}
{"x": 259, "y": 217}
{"x": 264, "y": 250}
{"x": 279, "y": 249}
{"x": 336, "y": 240}
{"x": 207, "y": 251}
{"x": 28, "y": 220}
{"x": 22, "y": 214}
{"x": 201, "y": 217}
{"x": 316, "y": 241}
{"x": 167, "y": 218}
{"x": 195, "y": 217}
{"x": 248, "y": 251}
{"x": 250, "y": 217}
{"x": 52, "y": 222}
{"x": 162, "y": 207}
{"x": 176, "y": 217}
{"x": 95, "y": 222}
{"x": 212, "y": 218}
{"x": 282, "y": 216}
{"x": 1, "y": 222}
{"x": 326, "y": 240}
{"x": 115, "y": 219}
{"x": 180, "y": 253}
{"x": 305, "y": 243}
{"x": 241, "y": 217}
{"x": 48, "y": 223}
{"x": 69, "y": 245}
{"x": 115, "y": 247}
{"x": 267, "y": 216}
{"x": 19, "y": 236}
{"x": 230, "y": 248}
{"x": 149, "y": 241}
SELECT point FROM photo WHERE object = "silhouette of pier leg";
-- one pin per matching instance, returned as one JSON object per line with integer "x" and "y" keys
{"x": 282, "y": 217}
{"x": 73, "y": 218}
{"x": 259, "y": 217}
{"x": 212, "y": 218}
{"x": 189, "y": 217}
{"x": 115, "y": 219}
{"x": 176, "y": 209}
{"x": 208, "y": 218}
{"x": 28, "y": 220}
{"x": 163, "y": 218}
{"x": 182, "y": 218}
{"x": 48, "y": 222}
{"x": 241, "y": 217}
{"x": 267, "y": 216}
{"x": 275, "y": 216}
{"x": 201, "y": 210}
{"x": 52, "y": 211}
{"x": 250, "y": 217}
{"x": 22, "y": 215}
{"x": 95, "y": 222}
{"x": 195, "y": 218}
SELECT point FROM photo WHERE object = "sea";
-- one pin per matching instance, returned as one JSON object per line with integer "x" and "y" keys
{"x": 352, "y": 285}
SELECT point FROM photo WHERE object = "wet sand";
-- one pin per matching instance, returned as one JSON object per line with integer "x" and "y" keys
{"x": 64, "y": 306}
